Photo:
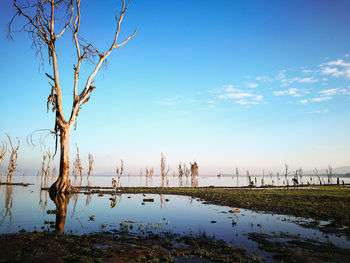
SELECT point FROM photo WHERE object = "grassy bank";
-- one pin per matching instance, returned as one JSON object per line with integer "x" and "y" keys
{"x": 329, "y": 203}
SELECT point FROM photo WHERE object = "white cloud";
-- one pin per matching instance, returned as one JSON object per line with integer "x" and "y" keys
{"x": 281, "y": 74}
{"x": 308, "y": 80}
{"x": 338, "y": 62}
{"x": 291, "y": 92}
{"x": 251, "y": 85}
{"x": 336, "y": 68}
{"x": 246, "y": 102}
{"x": 328, "y": 92}
{"x": 318, "y": 111}
{"x": 258, "y": 97}
{"x": 331, "y": 71}
{"x": 213, "y": 107}
{"x": 226, "y": 88}
{"x": 306, "y": 70}
{"x": 303, "y": 101}
{"x": 320, "y": 99}
{"x": 235, "y": 95}
{"x": 169, "y": 101}
{"x": 335, "y": 91}
{"x": 263, "y": 79}
{"x": 239, "y": 96}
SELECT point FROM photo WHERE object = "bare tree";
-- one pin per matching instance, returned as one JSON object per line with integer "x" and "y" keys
{"x": 3, "y": 150}
{"x": 12, "y": 167}
{"x": 46, "y": 21}
{"x": 237, "y": 174}
{"x": 316, "y": 173}
{"x": 120, "y": 171}
{"x": 91, "y": 161}
{"x": 329, "y": 172}
{"x": 77, "y": 167}
{"x": 286, "y": 174}
{"x": 47, "y": 170}
{"x": 181, "y": 170}
{"x": 53, "y": 173}
{"x": 163, "y": 170}
{"x": 194, "y": 169}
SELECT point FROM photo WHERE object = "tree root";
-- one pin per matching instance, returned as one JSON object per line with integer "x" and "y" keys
{"x": 61, "y": 187}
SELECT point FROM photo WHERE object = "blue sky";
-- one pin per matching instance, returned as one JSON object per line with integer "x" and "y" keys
{"x": 253, "y": 84}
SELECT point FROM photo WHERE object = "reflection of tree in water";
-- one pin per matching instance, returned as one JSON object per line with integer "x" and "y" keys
{"x": 88, "y": 196}
{"x": 61, "y": 201}
{"x": 114, "y": 200}
{"x": 162, "y": 200}
{"x": 1, "y": 176}
{"x": 9, "y": 201}
{"x": 75, "y": 197}
{"x": 8, "y": 204}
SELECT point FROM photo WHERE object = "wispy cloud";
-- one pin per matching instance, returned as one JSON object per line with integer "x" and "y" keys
{"x": 320, "y": 99}
{"x": 289, "y": 81}
{"x": 235, "y": 95}
{"x": 246, "y": 102}
{"x": 307, "y": 71}
{"x": 240, "y": 96}
{"x": 294, "y": 92}
{"x": 226, "y": 88}
{"x": 183, "y": 112}
{"x": 169, "y": 101}
{"x": 307, "y": 80}
{"x": 263, "y": 79}
{"x": 251, "y": 85}
{"x": 336, "y": 68}
{"x": 336, "y": 91}
{"x": 318, "y": 111}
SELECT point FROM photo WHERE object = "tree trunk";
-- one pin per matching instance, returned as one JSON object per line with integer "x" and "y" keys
{"x": 62, "y": 185}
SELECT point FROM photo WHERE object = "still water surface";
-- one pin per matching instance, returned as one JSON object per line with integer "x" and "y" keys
{"x": 28, "y": 208}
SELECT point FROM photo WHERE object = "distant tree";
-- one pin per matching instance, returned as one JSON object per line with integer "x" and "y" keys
{"x": 46, "y": 21}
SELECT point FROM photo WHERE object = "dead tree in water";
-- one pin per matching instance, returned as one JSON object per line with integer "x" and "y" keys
{"x": 3, "y": 150}
{"x": 181, "y": 170}
{"x": 77, "y": 167}
{"x": 12, "y": 167}
{"x": 316, "y": 173}
{"x": 194, "y": 174}
{"x": 286, "y": 174}
{"x": 194, "y": 169}
{"x": 120, "y": 171}
{"x": 91, "y": 161}
{"x": 53, "y": 173}
{"x": 47, "y": 170}
{"x": 163, "y": 170}
{"x": 46, "y": 21}
{"x": 329, "y": 172}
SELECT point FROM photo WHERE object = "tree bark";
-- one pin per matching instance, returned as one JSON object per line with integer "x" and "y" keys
{"x": 62, "y": 185}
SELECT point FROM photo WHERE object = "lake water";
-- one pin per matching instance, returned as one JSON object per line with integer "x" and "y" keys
{"x": 28, "y": 208}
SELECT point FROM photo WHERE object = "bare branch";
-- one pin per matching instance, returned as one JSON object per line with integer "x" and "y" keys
{"x": 70, "y": 20}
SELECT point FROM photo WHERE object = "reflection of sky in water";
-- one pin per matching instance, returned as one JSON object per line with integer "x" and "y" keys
{"x": 181, "y": 214}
